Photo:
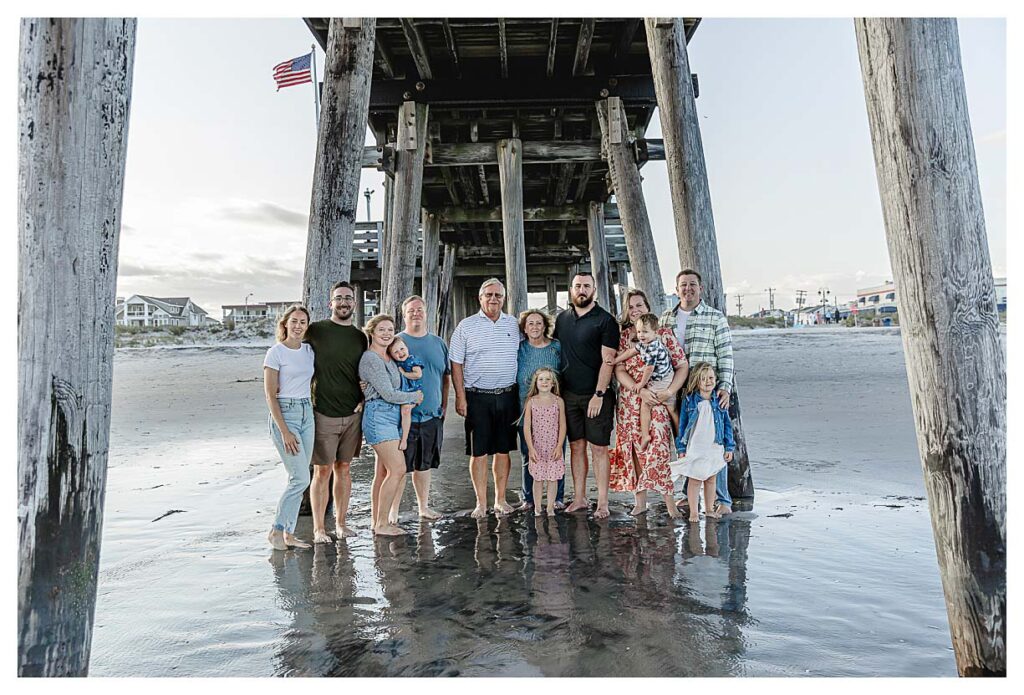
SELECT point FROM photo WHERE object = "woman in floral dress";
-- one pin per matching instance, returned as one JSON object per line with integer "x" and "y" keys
{"x": 633, "y": 469}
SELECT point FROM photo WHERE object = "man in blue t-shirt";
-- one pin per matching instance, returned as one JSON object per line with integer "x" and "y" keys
{"x": 423, "y": 454}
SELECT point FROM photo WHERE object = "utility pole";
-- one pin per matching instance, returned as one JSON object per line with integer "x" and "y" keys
{"x": 771, "y": 298}
{"x": 823, "y": 293}
{"x": 368, "y": 192}
{"x": 739, "y": 304}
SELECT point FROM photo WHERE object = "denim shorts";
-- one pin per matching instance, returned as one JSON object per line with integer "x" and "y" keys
{"x": 382, "y": 421}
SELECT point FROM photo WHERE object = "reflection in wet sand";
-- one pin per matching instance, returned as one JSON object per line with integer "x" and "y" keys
{"x": 563, "y": 596}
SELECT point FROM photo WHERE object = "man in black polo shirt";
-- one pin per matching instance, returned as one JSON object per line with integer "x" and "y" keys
{"x": 589, "y": 336}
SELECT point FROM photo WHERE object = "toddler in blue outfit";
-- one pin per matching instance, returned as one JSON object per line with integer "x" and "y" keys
{"x": 411, "y": 369}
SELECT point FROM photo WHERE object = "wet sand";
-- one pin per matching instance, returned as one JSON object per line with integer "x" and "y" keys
{"x": 832, "y": 574}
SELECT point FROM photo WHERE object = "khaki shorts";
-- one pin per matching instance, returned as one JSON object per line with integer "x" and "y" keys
{"x": 336, "y": 438}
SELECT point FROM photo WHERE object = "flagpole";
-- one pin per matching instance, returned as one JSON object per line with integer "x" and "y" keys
{"x": 316, "y": 86}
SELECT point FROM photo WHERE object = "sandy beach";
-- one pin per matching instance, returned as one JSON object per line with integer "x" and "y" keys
{"x": 833, "y": 573}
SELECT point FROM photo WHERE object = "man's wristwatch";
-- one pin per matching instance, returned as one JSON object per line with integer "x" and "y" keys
{"x": 599, "y": 394}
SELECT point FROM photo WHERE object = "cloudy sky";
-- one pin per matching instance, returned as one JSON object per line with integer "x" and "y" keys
{"x": 219, "y": 171}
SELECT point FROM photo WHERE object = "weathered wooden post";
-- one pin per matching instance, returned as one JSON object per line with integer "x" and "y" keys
{"x": 443, "y": 316}
{"x": 622, "y": 278}
{"x": 74, "y": 94}
{"x": 406, "y": 212}
{"x": 684, "y": 155}
{"x": 636, "y": 225}
{"x": 691, "y": 196}
{"x": 510, "y": 171}
{"x": 935, "y": 227}
{"x": 552, "y": 291}
{"x": 384, "y": 236}
{"x": 339, "y": 151}
{"x": 599, "y": 255}
{"x": 429, "y": 278}
{"x": 360, "y": 308}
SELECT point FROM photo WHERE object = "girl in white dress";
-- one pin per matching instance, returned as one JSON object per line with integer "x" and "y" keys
{"x": 705, "y": 442}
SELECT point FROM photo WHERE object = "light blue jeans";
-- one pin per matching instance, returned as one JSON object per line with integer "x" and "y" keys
{"x": 298, "y": 416}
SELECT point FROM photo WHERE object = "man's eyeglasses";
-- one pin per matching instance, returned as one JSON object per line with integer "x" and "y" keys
{"x": 345, "y": 300}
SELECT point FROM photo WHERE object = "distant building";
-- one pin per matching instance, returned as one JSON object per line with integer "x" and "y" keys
{"x": 143, "y": 310}
{"x": 1001, "y": 293}
{"x": 255, "y": 311}
{"x": 880, "y": 299}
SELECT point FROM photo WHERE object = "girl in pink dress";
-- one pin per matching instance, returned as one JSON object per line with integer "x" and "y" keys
{"x": 544, "y": 431}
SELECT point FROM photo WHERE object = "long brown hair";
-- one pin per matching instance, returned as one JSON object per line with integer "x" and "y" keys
{"x": 532, "y": 391}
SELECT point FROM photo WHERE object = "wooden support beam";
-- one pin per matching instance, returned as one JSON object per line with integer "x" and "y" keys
{"x": 406, "y": 215}
{"x": 75, "y": 79}
{"x": 636, "y": 225}
{"x": 584, "y": 180}
{"x": 622, "y": 280}
{"x": 466, "y": 180}
{"x": 384, "y": 58}
{"x": 687, "y": 172}
{"x": 573, "y": 213}
{"x": 430, "y": 278}
{"x": 696, "y": 240}
{"x": 583, "y": 41}
{"x": 449, "y": 183}
{"x": 510, "y": 171}
{"x": 340, "y": 138}
{"x": 551, "y": 287}
{"x": 482, "y": 93}
{"x": 599, "y": 256}
{"x": 484, "y": 191}
{"x": 503, "y": 48}
{"x": 562, "y": 183}
{"x": 418, "y": 49}
{"x": 453, "y": 49}
{"x": 935, "y": 227}
{"x": 620, "y": 48}
{"x": 384, "y": 237}
{"x": 443, "y": 325}
{"x": 552, "y": 44}
{"x": 534, "y": 152}
{"x": 359, "y": 314}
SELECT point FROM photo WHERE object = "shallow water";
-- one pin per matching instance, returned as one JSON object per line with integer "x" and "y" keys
{"x": 833, "y": 573}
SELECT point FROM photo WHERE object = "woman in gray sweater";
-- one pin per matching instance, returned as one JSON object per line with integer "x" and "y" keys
{"x": 382, "y": 416}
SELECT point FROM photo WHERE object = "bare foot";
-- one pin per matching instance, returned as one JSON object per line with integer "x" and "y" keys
{"x": 343, "y": 532}
{"x": 276, "y": 538}
{"x": 429, "y": 513}
{"x": 559, "y": 506}
{"x": 723, "y": 509}
{"x": 713, "y": 515}
{"x": 601, "y": 512}
{"x": 390, "y": 530}
{"x": 393, "y": 519}
{"x": 320, "y": 536}
{"x": 538, "y": 512}
{"x": 294, "y": 542}
{"x": 502, "y": 508}
{"x": 673, "y": 512}
{"x": 638, "y": 510}
{"x": 551, "y": 511}
{"x": 479, "y": 512}
{"x": 694, "y": 519}
{"x": 403, "y": 445}
{"x": 578, "y": 506}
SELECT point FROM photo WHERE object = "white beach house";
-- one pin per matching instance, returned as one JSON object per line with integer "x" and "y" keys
{"x": 143, "y": 310}
{"x": 255, "y": 311}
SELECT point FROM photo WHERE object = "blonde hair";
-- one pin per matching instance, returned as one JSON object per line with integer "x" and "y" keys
{"x": 375, "y": 321}
{"x": 693, "y": 381}
{"x": 533, "y": 391}
{"x": 281, "y": 331}
{"x": 624, "y": 321}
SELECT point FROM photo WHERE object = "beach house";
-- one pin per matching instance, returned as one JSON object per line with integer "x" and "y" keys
{"x": 143, "y": 310}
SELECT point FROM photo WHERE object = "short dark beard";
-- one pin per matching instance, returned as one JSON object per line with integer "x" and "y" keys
{"x": 343, "y": 318}
{"x": 576, "y": 301}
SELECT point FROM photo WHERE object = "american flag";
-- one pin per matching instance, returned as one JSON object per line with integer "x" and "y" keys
{"x": 293, "y": 72}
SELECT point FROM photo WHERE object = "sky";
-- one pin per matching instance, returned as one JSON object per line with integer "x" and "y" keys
{"x": 220, "y": 165}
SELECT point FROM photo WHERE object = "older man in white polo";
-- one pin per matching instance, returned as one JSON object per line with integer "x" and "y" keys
{"x": 483, "y": 355}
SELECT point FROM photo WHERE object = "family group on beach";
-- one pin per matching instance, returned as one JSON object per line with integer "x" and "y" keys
{"x": 536, "y": 383}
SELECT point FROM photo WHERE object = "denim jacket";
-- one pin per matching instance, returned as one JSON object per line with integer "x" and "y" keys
{"x": 688, "y": 419}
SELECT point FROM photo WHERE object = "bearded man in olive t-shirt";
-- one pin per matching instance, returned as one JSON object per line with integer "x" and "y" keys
{"x": 337, "y": 409}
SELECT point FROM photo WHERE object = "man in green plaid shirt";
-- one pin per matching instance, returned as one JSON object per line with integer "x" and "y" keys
{"x": 704, "y": 333}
